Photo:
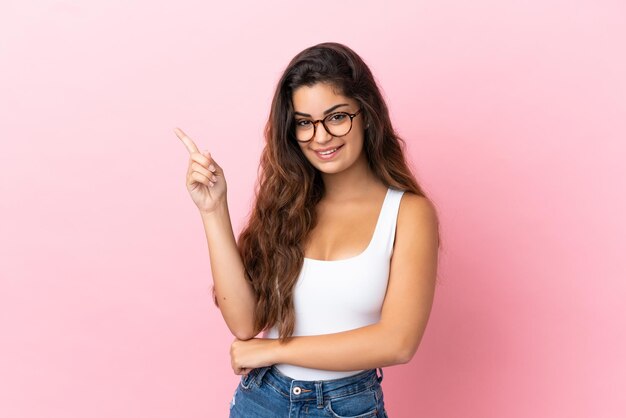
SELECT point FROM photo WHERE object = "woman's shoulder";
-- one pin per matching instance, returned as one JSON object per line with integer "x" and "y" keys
{"x": 416, "y": 209}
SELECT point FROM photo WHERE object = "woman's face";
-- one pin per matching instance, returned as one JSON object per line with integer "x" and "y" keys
{"x": 319, "y": 101}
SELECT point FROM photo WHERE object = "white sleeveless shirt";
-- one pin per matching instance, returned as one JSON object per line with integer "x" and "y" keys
{"x": 339, "y": 295}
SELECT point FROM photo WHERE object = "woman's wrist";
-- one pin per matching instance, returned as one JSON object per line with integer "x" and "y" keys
{"x": 220, "y": 211}
{"x": 276, "y": 351}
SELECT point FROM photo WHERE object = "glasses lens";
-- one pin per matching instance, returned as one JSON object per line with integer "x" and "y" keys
{"x": 304, "y": 129}
{"x": 338, "y": 123}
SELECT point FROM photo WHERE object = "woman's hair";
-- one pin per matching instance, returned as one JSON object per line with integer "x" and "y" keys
{"x": 289, "y": 187}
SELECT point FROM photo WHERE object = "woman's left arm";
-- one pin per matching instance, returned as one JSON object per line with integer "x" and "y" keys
{"x": 405, "y": 312}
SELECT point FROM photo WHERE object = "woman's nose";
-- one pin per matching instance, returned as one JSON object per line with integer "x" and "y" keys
{"x": 321, "y": 134}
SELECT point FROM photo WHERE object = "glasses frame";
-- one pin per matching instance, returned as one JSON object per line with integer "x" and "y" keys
{"x": 351, "y": 115}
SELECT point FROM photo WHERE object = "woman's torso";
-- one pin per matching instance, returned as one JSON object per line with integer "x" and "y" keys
{"x": 343, "y": 294}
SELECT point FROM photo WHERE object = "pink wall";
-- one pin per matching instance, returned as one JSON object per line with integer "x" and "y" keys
{"x": 515, "y": 118}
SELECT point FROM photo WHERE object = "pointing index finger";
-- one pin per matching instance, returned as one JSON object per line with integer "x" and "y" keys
{"x": 191, "y": 146}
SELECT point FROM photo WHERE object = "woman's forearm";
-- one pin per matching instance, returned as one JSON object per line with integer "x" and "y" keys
{"x": 367, "y": 347}
{"x": 233, "y": 293}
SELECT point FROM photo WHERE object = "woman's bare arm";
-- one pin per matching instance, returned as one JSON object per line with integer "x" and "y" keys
{"x": 233, "y": 292}
{"x": 206, "y": 182}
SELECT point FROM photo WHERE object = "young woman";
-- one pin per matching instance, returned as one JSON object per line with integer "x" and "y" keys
{"x": 338, "y": 261}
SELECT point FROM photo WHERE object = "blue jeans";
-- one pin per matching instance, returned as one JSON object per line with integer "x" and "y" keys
{"x": 265, "y": 392}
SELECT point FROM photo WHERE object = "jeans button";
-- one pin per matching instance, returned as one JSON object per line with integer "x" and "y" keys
{"x": 297, "y": 390}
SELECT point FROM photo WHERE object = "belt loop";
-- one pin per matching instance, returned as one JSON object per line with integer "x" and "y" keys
{"x": 380, "y": 378}
{"x": 320, "y": 394}
{"x": 260, "y": 373}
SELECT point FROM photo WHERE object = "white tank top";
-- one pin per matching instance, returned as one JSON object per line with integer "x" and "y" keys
{"x": 340, "y": 295}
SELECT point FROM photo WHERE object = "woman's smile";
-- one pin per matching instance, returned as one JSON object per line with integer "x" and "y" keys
{"x": 328, "y": 155}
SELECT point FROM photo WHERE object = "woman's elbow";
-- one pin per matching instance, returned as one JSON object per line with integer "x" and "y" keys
{"x": 244, "y": 333}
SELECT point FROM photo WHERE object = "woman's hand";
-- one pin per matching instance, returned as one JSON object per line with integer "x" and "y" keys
{"x": 205, "y": 178}
{"x": 246, "y": 355}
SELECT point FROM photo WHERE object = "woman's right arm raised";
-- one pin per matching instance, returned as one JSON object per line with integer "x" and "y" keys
{"x": 207, "y": 186}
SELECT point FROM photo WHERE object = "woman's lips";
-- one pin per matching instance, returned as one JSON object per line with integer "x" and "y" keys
{"x": 328, "y": 156}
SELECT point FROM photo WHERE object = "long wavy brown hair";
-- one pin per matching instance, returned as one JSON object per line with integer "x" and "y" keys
{"x": 289, "y": 187}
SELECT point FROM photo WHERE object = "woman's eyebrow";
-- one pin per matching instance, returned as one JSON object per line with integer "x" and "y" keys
{"x": 327, "y": 111}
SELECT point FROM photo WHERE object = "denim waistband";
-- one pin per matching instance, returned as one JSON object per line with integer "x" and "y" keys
{"x": 319, "y": 390}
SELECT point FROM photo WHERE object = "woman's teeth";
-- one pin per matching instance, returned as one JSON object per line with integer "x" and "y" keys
{"x": 328, "y": 155}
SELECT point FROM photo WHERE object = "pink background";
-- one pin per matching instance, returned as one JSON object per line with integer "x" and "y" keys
{"x": 515, "y": 118}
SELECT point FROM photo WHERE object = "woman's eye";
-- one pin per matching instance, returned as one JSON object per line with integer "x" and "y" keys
{"x": 337, "y": 117}
{"x": 303, "y": 122}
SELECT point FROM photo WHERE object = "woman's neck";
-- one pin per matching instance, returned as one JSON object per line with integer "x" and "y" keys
{"x": 352, "y": 183}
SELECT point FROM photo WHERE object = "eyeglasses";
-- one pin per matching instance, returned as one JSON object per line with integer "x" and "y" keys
{"x": 336, "y": 124}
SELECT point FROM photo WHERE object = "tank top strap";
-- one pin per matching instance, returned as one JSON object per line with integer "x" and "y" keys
{"x": 386, "y": 227}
